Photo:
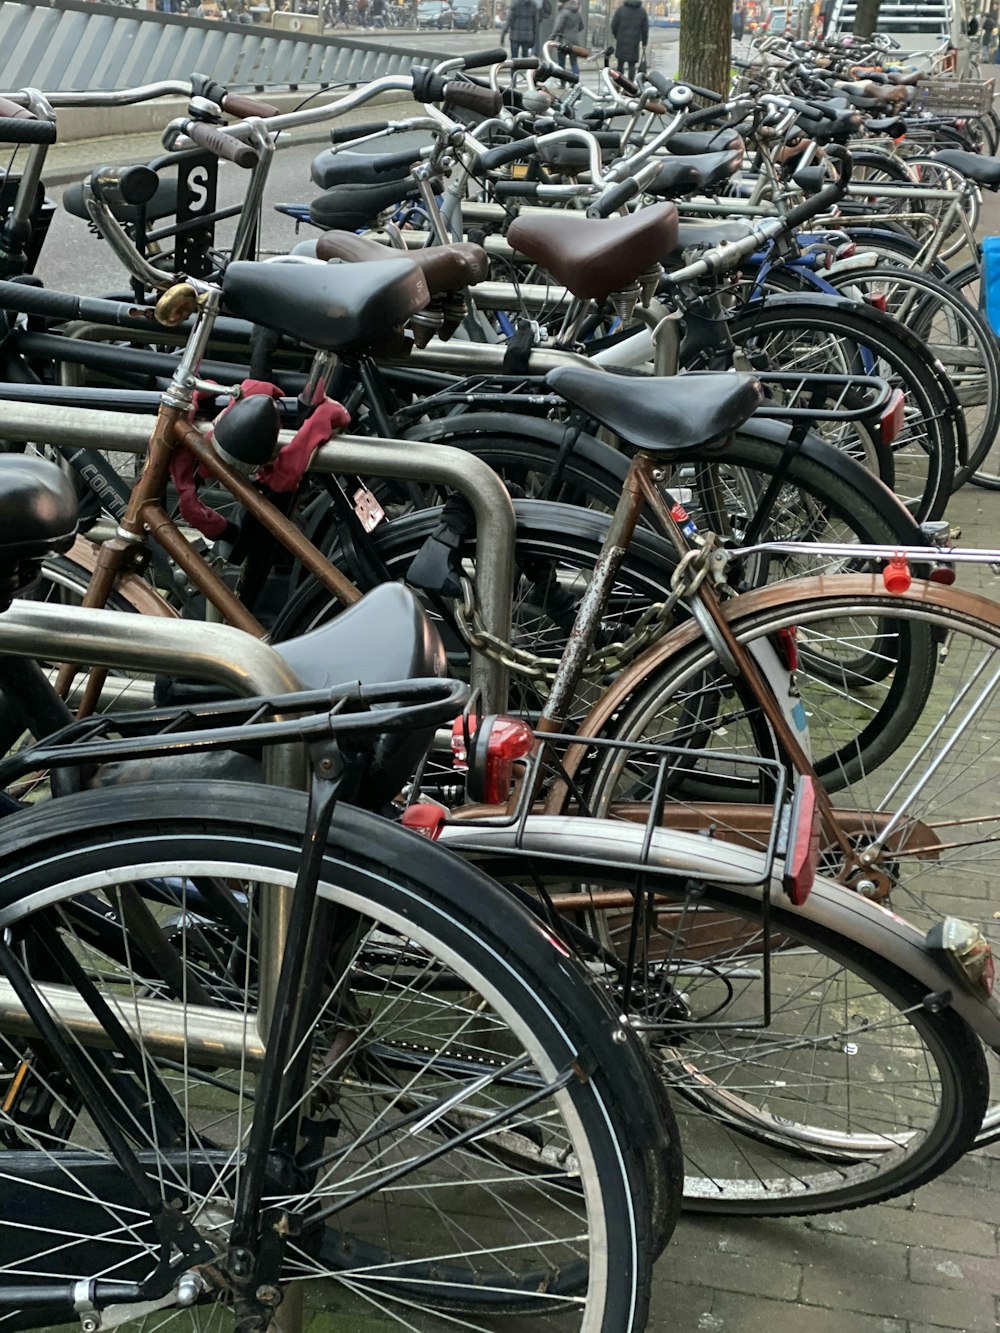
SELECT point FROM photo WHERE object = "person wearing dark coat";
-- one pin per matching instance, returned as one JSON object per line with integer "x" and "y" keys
{"x": 522, "y": 25}
{"x": 568, "y": 31}
{"x": 630, "y": 29}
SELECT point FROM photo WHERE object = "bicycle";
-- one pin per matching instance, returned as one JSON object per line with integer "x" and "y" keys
{"x": 216, "y": 1129}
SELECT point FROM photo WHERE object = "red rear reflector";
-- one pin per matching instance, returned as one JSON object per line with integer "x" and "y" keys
{"x": 878, "y": 300}
{"x": 896, "y": 576}
{"x": 507, "y": 740}
{"x": 892, "y": 418}
{"x": 424, "y": 818}
{"x": 802, "y": 843}
{"x": 495, "y": 744}
{"x": 942, "y": 574}
{"x": 788, "y": 646}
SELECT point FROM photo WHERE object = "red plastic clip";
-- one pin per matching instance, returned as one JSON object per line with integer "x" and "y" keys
{"x": 896, "y": 575}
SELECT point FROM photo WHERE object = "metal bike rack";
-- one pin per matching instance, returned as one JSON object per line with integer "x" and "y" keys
{"x": 411, "y": 460}
{"x": 216, "y": 653}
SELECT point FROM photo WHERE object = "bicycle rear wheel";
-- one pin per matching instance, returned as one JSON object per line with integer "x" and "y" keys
{"x": 454, "y": 1160}
{"x": 909, "y": 751}
{"x": 850, "y": 1094}
{"x": 821, "y": 334}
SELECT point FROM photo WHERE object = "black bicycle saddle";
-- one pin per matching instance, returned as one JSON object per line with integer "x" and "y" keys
{"x": 330, "y": 307}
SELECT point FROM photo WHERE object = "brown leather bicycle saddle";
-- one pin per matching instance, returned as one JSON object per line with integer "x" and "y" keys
{"x": 593, "y": 257}
{"x": 446, "y": 268}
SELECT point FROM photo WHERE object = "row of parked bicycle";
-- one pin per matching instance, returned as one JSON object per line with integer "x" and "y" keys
{"x": 586, "y": 806}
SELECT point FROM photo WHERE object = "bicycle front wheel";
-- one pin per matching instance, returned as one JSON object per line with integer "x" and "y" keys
{"x": 469, "y": 1138}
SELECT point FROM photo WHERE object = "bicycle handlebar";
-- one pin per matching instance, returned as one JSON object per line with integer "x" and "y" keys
{"x": 726, "y": 256}
{"x": 64, "y": 306}
{"x": 496, "y": 55}
{"x": 507, "y": 152}
{"x": 19, "y": 125}
{"x": 348, "y": 133}
{"x": 222, "y": 145}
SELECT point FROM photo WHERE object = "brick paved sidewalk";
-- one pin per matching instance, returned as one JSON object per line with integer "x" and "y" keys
{"x": 926, "y": 1261}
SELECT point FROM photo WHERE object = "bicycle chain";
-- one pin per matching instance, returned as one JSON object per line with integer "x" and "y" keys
{"x": 685, "y": 580}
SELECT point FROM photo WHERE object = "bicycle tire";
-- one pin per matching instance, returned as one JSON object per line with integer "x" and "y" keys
{"x": 795, "y": 1131}
{"x": 931, "y": 440}
{"x": 417, "y": 900}
{"x": 592, "y": 475}
{"x": 556, "y": 548}
{"x": 965, "y": 345}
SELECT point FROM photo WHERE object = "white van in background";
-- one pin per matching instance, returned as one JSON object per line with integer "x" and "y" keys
{"x": 919, "y": 26}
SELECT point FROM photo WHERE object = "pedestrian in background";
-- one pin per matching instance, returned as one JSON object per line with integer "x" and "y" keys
{"x": 568, "y": 30}
{"x": 522, "y": 25}
{"x": 630, "y": 29}
{"x": 738, "y": 23}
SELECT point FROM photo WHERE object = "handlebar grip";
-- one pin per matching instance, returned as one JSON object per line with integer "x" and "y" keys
{"x": 497, "y": 157}
{"x": 65, "y": 306}
{"x": 222, "y": 145}
{"x": 24, "y": 128}
{"x": 515, "y": 190}
{"x": 238, "y": 105}
{"x": 132, "y": 185}
{"x": 348, "y": 133}
{"x": 495, "y": 55}
{"x": 550, "y": 71}
{"x": 707, "y": 93}
{"x": 703, "y": 116}
{"x": 626, "y": 84}
{"x": 613, "y": 199}
{"x": 660, "y": 82}
{"x": 815, "y": 111}
{"x": 470, "y": 97}
{"x": 524, "y": 62}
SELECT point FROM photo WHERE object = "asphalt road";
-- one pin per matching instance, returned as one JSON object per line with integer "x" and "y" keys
{"x": 75, "y": 260}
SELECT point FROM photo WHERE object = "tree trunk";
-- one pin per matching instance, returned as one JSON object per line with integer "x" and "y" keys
{"x": 706, "y": 37}
{"x": 866, "y": 17}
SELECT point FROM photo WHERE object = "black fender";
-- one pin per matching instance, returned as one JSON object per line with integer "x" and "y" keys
{"x": 892, "y": 327}
{"x": 450, "y": 430}
{"x": 871, "y": 487}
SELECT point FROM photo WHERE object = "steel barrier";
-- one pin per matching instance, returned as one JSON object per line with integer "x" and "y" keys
{"x": 77, "y": 47}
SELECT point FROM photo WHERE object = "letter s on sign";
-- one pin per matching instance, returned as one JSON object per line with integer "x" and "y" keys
{"x": 197, "y": 183}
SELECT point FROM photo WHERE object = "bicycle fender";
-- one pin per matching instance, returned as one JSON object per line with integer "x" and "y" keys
{"x": 581, "y": 844}
{"x": 586, "y": 447}
{"x": 893, "y": 328}
{"x": 874, "y": 490}
{"x": 781, "y": 683}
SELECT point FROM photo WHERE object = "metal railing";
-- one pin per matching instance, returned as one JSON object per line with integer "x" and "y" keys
{"x": 80, "y": 46}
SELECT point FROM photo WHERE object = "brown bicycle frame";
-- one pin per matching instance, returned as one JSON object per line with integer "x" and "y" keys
{"x": 145, "y": 518}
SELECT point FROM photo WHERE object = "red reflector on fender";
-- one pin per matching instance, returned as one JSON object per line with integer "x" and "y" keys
{"x": 891, "y": 420}
{"x": 802, "y": 843}
{"x": 424, "y": 818}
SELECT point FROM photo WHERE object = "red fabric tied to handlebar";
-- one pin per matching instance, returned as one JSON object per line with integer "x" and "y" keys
{"x": 283, "y": 474}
